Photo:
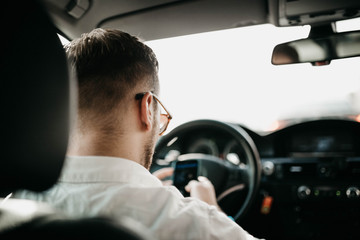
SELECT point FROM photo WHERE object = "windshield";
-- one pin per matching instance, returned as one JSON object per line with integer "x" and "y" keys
{"x": 228, "y": 76}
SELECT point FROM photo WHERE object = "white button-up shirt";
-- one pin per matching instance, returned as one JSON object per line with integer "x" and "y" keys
{"x": 115, "y": 187}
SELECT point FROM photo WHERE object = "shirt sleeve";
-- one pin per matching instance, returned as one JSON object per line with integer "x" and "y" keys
{"x": 190, "y": 218}
{"x": 222, "y": 227}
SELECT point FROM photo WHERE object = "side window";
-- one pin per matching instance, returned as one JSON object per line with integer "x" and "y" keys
{"x": 63, "y": 40}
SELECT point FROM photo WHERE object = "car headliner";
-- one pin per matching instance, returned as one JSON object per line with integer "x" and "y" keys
{"x": 158, "y": 19}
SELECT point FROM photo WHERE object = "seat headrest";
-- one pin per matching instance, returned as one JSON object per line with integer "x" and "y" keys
{"x": 35, "y": 95}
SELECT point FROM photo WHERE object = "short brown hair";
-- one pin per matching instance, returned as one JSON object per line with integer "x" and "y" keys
{"x": 109, "y": 63}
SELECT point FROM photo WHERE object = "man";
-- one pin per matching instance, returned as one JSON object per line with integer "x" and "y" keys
{"x": 111, "y": 146}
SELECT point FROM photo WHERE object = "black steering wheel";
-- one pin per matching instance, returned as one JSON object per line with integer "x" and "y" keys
{"x": 235, "y": 185}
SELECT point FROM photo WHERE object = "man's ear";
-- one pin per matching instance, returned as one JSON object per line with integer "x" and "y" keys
{"x": 146, "y": 113}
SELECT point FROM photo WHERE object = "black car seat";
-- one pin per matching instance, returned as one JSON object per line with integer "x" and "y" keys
{"x": 35, "y": 97}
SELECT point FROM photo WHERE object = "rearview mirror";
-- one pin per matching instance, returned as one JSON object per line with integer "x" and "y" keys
{"x": 318, "y": 50}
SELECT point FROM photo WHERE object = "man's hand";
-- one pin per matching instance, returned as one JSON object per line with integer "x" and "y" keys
{"x": 203, "y": 190}
{"x": 164, "y": 173}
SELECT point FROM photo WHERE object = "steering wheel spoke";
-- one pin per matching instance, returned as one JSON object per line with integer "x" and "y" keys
{"x": 239, "y": 176}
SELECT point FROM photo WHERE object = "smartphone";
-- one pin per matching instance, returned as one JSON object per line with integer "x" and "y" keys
{"x": 184, "y": 172}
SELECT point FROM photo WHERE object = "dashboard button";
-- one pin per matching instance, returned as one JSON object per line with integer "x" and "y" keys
{"x": 268, "y": 168}
{"x": 353, "y": 192}
{"x": 303, "y": 192}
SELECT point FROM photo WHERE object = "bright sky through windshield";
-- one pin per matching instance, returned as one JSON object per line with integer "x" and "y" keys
{"x": 227, "y": 75}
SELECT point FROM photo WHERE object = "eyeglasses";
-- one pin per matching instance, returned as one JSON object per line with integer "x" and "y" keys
{"x": 165, "y": 117}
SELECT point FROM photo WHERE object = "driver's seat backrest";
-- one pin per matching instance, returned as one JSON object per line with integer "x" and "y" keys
{"x": 35, "y": 99}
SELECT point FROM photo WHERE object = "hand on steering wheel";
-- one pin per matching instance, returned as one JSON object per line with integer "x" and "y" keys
{"x": 164, "y": 173}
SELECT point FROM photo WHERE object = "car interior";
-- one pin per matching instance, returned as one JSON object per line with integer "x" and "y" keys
{"x": 39, "y": 92}
{"x": 301, "y": 180}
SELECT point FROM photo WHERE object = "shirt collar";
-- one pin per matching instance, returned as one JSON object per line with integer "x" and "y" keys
{"x": 87, "y": 169}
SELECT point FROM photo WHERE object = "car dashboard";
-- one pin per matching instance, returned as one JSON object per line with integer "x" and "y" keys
{"x": 310, "y": 182}
{"x": 312, "y": 172}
